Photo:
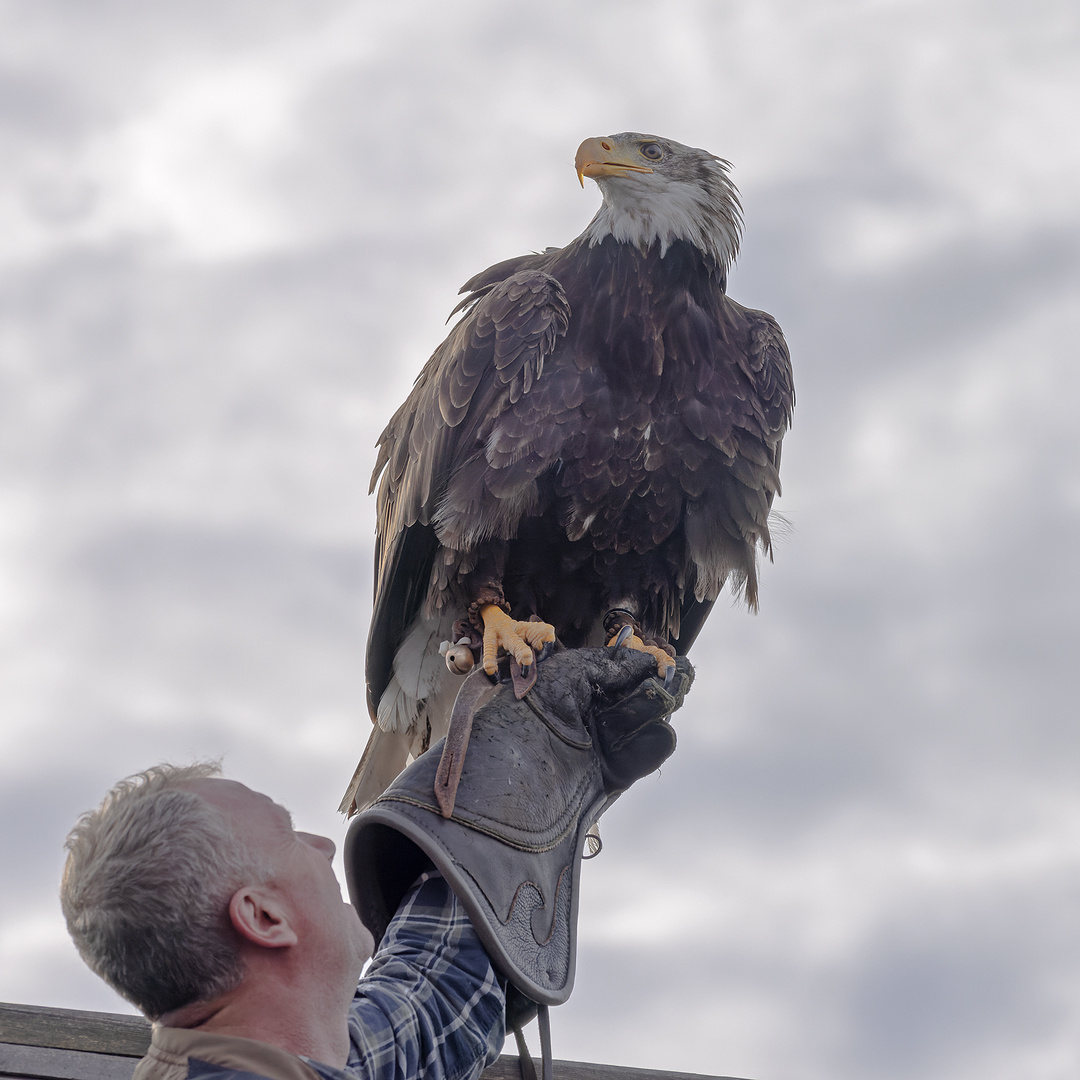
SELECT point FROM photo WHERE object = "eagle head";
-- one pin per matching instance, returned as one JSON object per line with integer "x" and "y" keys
{"x": 659, "y": 191}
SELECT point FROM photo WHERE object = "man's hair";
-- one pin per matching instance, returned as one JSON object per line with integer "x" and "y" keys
{"x": 146, "y": 891}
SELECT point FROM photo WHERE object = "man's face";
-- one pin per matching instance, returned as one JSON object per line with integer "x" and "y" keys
{"x": 301, "y": 875}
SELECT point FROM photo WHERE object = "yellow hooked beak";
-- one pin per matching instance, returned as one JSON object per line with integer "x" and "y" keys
{"x": 598, "y": 157}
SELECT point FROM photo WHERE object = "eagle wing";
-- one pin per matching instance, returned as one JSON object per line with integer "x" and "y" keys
{"x": 749, "y": 430}
{"x": 490, "y": 360}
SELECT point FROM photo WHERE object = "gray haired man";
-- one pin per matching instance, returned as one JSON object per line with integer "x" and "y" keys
{"x": 196, "y": 899}
{"x": 199, "y": 902}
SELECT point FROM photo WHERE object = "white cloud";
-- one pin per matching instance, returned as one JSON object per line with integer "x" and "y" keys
{"x": 190, "y": 169}
{"x": 937, "y": 454}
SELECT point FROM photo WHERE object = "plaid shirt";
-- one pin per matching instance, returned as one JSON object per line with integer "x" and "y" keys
{"x": 429, "y": 1006}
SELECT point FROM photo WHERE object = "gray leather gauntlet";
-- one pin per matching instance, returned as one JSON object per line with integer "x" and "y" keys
{"x": 537, "y": 774}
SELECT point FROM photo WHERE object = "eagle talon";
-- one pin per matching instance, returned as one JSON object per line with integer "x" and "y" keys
{"x": 628, "y": 639}
{"x": 518, "y": 639}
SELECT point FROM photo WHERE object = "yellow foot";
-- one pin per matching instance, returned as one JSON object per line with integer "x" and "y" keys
{"x": 664, "y": 661}
{"x": 519, "y": 639}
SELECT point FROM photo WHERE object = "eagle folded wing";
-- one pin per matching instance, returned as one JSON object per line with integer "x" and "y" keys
{"x": 493, "y": 357}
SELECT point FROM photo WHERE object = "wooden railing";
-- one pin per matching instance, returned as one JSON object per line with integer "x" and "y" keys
{"x": 63, "y": 1044}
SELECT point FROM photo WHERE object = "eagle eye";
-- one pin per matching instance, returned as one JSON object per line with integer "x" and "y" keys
{"x": 652, "y": 151}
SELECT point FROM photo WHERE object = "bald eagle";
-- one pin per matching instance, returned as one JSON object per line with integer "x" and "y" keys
{"x": 601, "y": 429}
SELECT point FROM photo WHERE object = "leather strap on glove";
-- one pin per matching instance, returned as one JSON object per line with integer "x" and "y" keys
{"x": 538, "y": 773}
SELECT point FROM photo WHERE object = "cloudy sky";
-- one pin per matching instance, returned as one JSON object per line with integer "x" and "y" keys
{"x": 230, "y": 231}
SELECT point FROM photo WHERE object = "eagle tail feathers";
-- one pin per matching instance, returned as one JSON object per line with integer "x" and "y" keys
{"x": 386, "y": 754}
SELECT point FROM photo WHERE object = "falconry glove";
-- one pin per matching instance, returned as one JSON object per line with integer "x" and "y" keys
{"x": 538, "y": 773}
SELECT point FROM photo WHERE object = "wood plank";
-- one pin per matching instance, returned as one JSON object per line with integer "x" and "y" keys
{"x": 74, "y": 1029}
{"x": 507, "y": 1068}
{"x": 45, "y": 1063}
{"x": 71, "y": 1044}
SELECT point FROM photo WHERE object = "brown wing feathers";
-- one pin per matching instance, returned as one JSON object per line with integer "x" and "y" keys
{"x": 493, "y": 356}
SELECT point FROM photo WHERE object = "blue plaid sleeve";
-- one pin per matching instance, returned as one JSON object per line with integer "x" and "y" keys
{"x": 429, "y": 1006}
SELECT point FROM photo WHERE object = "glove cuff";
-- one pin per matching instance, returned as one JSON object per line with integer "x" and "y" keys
{"x": 511, "y": 849}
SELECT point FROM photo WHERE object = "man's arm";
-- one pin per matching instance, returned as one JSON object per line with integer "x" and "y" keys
{"x": 430, "y": 1006}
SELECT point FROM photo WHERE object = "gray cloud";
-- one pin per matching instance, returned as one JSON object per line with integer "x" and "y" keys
{"x": 232, "y": 232}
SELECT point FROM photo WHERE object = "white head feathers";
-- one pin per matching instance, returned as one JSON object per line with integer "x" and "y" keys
{"x": 657, "y": 190}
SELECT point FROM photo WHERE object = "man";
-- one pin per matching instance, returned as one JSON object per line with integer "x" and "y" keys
{"x": 196, "y": 899}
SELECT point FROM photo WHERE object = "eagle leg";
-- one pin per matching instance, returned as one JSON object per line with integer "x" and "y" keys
{"x": 519, "y": 639}
{"x": 623, "y": 629}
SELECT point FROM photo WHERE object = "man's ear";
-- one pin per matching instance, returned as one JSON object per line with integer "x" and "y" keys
{"x": 260, "y": 917}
